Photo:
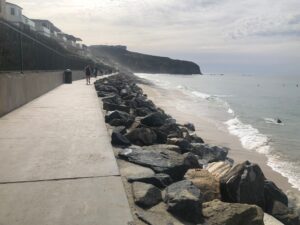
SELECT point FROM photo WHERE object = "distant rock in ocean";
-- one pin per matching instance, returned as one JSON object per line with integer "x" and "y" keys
{"x": 142, "y": 63}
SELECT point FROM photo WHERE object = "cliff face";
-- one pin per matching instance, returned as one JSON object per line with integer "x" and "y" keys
{"x": 142, "y": 63}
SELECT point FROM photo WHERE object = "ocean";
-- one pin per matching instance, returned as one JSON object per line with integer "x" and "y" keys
{"x": 248, "y": 106}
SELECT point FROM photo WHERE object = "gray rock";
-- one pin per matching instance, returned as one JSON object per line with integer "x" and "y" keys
{"x": 165, "y": 161}
{"x": 244, "y": 183}
{"x": 221, "y": 213}
{"x": 118, "y": 118}
{"x": 112, "y": 99}
{"x": 284, "y": 214}
{"x": 159, "y": 180}
{"x": 190, "y": 126}
{"x": 182, "y": 143}
{"x": 112, "y": 107}
{"x": 146, "y": 195}
{"x": 162, "y": 147}
{"x": 142, "y": 136}
{"x": 272, "y": 194}
{"x": 209, "y": 153}
{"x": 156, "y": 119}
{"x": 106, "y": 88}
{"x": 184, "y": 200}
{"x": 117, "y": 139}
{"x": 120, "y": 129}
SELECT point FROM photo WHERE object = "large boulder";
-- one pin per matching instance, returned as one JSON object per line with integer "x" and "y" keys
{"x": 218, "y": 169}
{"x": 244, "y": 183}
{"x": 221, "y": 213}
{"x": 119, "y": 118}
{"x": 287, "y": 216}
{"x": 162, "y": 147}
{"x": 171, "y": 130}
{"x": 207, "y": 183}
{"x": 117, "y": 139}
{"x": 209, "y": 153}
{"x": 190, "y": 126}
{"x": 184, "y": 200}
{"x": 156, "y": 119}
{"x": 142, "y": 136}
{"x": 159, "y": 180}
{"x": 273, "y": 194}
{"x": 142, "y": 112}
{"x": 112, "y": 99}
{"x": 182, "y": 143}
{"x": 111, "y": 107}
{"x": 106, "y": 88}
{"x": 146, "y": 195}
{"x": 165, "y": 161}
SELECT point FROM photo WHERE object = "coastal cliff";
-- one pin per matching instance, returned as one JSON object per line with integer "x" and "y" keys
{"x": 142, "y": 63}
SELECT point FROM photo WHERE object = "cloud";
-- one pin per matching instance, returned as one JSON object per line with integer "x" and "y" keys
{"x": 178, "y": 26}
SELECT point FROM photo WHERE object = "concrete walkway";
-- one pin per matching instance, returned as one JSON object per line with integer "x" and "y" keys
{"x": 57, "y": 165}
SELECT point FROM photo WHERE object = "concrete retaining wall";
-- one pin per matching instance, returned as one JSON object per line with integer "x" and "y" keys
{"x": 18, "y": 89}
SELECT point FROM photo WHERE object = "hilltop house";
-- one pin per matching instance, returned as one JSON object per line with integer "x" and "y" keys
{"x": 28, "y": 22}
{"x": 13, "y": 13}
{"x": 2, "y": 9}
{"x": 45, "y": 27}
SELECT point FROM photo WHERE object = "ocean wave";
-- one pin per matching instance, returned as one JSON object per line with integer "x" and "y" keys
{"x": 272, "y": 121}
{"x": 288, "y": 169}
{"x": 249, "y": 136}
{"x": 252, "y": 139}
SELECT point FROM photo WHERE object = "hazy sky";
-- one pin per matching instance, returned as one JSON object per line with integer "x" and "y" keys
{"x": 225, "y": 36}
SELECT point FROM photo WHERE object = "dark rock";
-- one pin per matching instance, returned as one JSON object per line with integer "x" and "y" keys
{"x": 146, "y": 195}
{"x": 209, "y": 153}
{"x": 221, "y": 213}
{"x": 142, "y": 136}
{"x": 190, "y": 126}
{"x": 142, "y": 111}
{"x": 162, "y": 147}
{"x": 120, "y": 129}
{"x": 102, "y": 94}
{"x": 244, "y": 183}
{"x": 206, "y": 182}
{"x": 171, "y": 130}
{"x": 194, "y": 138}
{"x": 154, "y": 119}
{"x": 191, "y": 160}
{"x": 119, "y": 118}
{"x": 182, "y": 143}
{"x": 112, "y": 99}
{"x": 106, "y": 88}
{"x": 113, "y": 107}
{"x": 165, "y": 161}
{"x": 272, "y": 194}
{"x": 117, "y": 139}
{"x": 281, "y": 212}
{"x": 159, "y": 180}
{"x": 184, "y": 200}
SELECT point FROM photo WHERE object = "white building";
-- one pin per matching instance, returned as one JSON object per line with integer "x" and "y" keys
{"x": 28, "y": 22}
{"x": 46, "y": 28}
{"x": 13, "y": 13}
{"x": 2, "y": 9}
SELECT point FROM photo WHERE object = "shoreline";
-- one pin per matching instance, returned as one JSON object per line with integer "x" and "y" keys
{"x": 208, "y": 130}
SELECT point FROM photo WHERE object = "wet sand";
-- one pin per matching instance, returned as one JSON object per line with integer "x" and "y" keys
{"x": 172, "y": 103}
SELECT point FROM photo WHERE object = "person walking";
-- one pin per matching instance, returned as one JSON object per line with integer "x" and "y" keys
{"x": 96, "y": 71}
{"x": 88, "y": 74}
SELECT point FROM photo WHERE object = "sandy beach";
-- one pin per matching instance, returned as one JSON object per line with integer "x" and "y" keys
{"x": 171, "y": 102}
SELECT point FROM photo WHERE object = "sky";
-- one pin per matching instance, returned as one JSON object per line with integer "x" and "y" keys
{"x": 222, "y": 36}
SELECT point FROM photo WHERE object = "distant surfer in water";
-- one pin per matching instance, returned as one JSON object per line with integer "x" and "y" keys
{"x": 278, "y": 120}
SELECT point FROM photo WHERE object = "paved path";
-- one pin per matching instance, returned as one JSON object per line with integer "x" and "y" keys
{"x": 57, "y": 165}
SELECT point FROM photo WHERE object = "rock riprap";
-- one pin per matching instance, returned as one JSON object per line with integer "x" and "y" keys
{"x": 146, "y": 195}
{"x": 184, "y": 200}
{"x": 221, "y": 213}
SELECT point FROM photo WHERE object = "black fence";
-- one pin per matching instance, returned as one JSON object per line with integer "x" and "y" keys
{"x": 22, "y": 49}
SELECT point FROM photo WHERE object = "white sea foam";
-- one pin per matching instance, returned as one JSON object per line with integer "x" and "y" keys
{"x": 230, "y": 111}
{"x": 249, "y": 136}
{"x": 272, "y": 121}
{"x": 252, "y": 139}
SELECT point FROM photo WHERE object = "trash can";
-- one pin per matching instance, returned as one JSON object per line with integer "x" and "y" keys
{"x": 68, "y": 76}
